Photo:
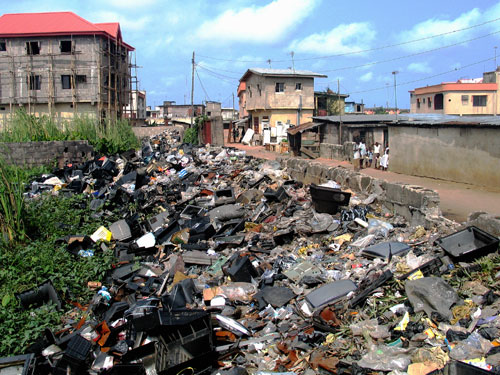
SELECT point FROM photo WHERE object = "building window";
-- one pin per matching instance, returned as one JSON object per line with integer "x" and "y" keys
{"x": 438, "y": 101}
{"x": 66, "y": 82}
{"x": 3, "y": 46}
{"x": 280, "y": 87}
{"x": 429, "y": 103}
{"x": 418, "y": 103}
{"x": 34, "y": 82}
{"x": 423, "y": 100}
{"x": 65, "y": 46}
{"x": 298, "y": 86}
{"x": 479, "y": 100}
{"x": 259, "y": 89}
{"x": 81, "y": 78}
{"x": 465, "y": 99}
{"x": 33, "y": 48}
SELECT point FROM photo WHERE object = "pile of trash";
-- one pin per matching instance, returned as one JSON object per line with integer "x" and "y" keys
{"x": 225, "y": 265}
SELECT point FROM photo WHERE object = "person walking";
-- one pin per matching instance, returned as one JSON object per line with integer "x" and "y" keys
{"x": 384, "y": 160}
{"x": 356, "y": 157}
{"x": 362, "y": 153}
{"x": 376, "y": 154}
{"x": 369, "y": 157}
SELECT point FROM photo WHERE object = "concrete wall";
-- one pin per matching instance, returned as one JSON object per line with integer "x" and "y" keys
{"x": 418, "y": 205}
{"x": 89, "y": 60}
{"x": 456, "y": 153}
{"x": 31, "y": 154}
{"x": 333, "y": 151}
{"x": 149, "y": 131}
{"x": 454, "y": 105}
{"x": 264, "y": 96}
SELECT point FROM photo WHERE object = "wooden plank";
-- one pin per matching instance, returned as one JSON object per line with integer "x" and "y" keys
{"x": 308, "y": 153}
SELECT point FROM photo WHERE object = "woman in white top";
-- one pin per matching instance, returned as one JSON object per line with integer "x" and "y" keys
{"x": 384, "y": 160}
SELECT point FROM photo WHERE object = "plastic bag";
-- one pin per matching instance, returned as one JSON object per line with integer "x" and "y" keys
{"x": 473, "y": 346}
{"x": 364, "y": 241}
{"x": 386, "y": 358}
{"x": 379, "y": 227}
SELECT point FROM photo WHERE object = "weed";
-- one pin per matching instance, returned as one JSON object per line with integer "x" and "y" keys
{"x": 110, "y": 137}
{"x": 24, "y": 265}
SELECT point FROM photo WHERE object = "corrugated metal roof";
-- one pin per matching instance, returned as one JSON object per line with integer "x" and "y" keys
{"x": 357, "y": 118}
{"x": 413, "y": 119}
{"x": 303, "y": 127}
{"x": 54, "y": 23}
{"x": 282, "y": 73}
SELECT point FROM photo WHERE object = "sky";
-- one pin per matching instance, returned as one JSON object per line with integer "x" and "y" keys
{"x": 357, "y": 46}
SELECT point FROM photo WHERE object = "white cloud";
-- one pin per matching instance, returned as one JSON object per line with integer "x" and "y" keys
{"x": 344, "y": 38}
{"x": 266, "y": 24}
{"x": 366, "y": 77}
{"x": 422, "y": 67}
{"x": 435, "y": 26}
{"x": 126, "y": 23}
{"x": 131, "y": 4}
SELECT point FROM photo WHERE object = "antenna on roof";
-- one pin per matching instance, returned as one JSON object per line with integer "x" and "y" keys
{"x": 269, "y": 62}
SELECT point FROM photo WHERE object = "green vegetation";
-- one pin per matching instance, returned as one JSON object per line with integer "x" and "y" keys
{"x": 107, "y": 138}
{"x": 12, "y": 209}
{"x": 191, "y": 134}
{"x": 26, "y": 263}
{"x": 29, "y": 256}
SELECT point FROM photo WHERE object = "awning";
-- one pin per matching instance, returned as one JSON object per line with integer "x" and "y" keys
{"x": 242, "y": 121}
{"x": 303, "y": 127}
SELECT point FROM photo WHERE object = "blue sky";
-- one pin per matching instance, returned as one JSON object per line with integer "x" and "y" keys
{"x": 359, "y": 43}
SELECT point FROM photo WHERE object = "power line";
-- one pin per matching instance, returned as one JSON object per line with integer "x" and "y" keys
{"x": 370, "y": 63}
{"x": 222, "y": 77}
{"x": 201, "y": 83}
{"x": 410, "y": 55}
{"x": 423, "y": 79}
{"x": 360, "y": 51}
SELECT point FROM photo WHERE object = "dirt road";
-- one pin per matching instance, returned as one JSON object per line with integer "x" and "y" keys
{"x": 457, "y": 199}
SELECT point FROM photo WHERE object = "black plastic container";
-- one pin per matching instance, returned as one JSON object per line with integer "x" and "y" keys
{"x": 468, "y": 244}
{"x": 186, "y": 340}
{"x": 19, "y": 364}
{"x": 40, "y": 295}
{"x": 328, "y": 200}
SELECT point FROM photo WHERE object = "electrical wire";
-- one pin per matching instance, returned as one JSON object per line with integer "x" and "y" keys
{"x": 407, "y": 56}
{"x": 373, "y": 62}
{"x": 228, "y": 79}
{"x": 203, "y": 87}
{"x": 425, "y": 78}
{"x": 360, "y": 51}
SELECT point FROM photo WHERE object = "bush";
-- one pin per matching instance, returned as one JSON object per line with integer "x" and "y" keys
{"x": 25, "y": 265}
{"x": 109, "y": 137}
{"x": 12, "y": 209}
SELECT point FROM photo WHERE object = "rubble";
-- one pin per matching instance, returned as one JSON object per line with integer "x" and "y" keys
{"x": 229, "y": 265}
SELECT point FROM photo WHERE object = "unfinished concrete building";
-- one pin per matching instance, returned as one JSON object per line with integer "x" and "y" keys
{"x": 61, "y": 65}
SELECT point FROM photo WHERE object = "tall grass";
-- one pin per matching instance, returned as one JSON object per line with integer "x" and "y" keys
{"x": 109, "y": 137}
{"x": 12, "y": 208}
{"x": 11, "y": 203}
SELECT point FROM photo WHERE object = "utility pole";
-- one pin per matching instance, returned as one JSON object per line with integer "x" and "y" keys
{"x": 395, "y": 94}
{"x": 192, "y": 91}
{"x": 495, "y": 57}
{"x": 269, "y": 62}
{"x": 232, "y": 114}
{"x": 340, "y": 111}
{"x": 293, "y": 62}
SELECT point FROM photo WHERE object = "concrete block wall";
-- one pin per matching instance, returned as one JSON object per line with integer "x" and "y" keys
{"x": 34, "y": 154}
{"x": 149, "y": 131}
{"x": 331, "y": 151}
{"x": 418, "y": 205}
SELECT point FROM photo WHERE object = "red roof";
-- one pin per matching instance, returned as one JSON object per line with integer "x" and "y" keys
{"x": 454, "y": 86}
{"x": 55, "y": 23}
